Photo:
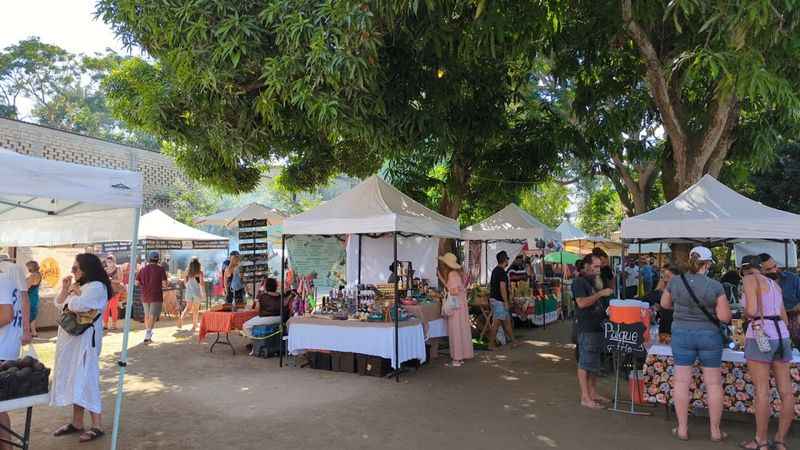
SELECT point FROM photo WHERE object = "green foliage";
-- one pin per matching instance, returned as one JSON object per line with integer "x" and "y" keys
{"x": 65, "y": 90}
{"x": 548, "y": 202}
{"x": 777, "y": 186}
{"x": 338, "y": 87}
{"x": 190, "y": 202}
{"x": 600, "y": 212}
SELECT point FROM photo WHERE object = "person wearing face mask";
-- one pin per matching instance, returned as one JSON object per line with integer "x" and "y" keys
{"x": 790, "y": 290}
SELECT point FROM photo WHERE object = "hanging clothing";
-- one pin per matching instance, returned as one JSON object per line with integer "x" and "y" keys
{"x": 459, "y": 329}
{"x": 76, "y": 379}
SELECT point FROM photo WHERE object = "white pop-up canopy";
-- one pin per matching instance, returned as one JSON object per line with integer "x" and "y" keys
{"x": 374, "y": 206}
{"x": 579, "y": 242}
{"x": 45, "y": 203}
{"x": 709, "y": 211}
{"x": 231, "y": 217}
{"x": 158, "y": 226}
{"x": 510, "y": 223}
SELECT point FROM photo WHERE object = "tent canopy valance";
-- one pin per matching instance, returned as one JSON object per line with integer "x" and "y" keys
{"x": 374, "y": 206}
{"x": 510, "y": 223}
{"x": 157, "y": 230}
{"x": 710, "y": 212}
{"x": 578, "y": 241}
{"x": 231, "y": 217}
{"x": 47, "y": 203}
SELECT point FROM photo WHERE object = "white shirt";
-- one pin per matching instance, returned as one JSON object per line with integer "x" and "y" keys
{"x": 12, "y": 284}
{"x": 633, "y": 276}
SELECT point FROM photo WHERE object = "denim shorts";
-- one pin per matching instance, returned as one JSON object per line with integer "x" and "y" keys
{"x": 499, "y": 310}
{"x": 753, "y": 353}
{"x": 689, "y": 345}
{"x": 589, "y": 351}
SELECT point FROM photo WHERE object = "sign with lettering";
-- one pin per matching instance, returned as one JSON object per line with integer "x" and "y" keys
{"x": 625, "y": 338}
{"x": 255, "y": 223}
{"x": 210, "y": 245}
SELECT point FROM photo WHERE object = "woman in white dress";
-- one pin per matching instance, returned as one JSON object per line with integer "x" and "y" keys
{"x": 76, "y": 379}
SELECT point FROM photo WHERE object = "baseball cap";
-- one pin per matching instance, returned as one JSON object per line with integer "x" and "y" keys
{"x": 703, "y": 253}
{"x": 153, "y": 256}
{"x": 235, "y": 253}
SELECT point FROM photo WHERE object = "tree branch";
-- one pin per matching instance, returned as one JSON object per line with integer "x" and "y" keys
{"x": 723, "y": 107}
{"x": 658, "y": 85}
{"x": 619, "y": 186}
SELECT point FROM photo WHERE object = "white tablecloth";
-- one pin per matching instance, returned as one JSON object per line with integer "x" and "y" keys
{"x": 375, "y": 341}
{"x": 437, "y": 328}
{"x": 727, "y": 354}
{"x": 24, "y": 402}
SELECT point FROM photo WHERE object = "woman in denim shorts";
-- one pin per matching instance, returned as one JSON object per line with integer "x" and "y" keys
{"x": 695, "y": 337}
{"x": 763, "y": 302}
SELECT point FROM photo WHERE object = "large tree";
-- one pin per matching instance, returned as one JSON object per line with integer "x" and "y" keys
{"x": 340, "y": 86}
{"x": 720, "y": 75}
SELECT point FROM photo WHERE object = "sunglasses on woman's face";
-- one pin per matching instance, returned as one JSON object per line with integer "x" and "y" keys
{"x": 75, "y": 269}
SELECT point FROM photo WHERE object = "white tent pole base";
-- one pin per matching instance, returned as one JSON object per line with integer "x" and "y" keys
{"x": 123, "y": 359}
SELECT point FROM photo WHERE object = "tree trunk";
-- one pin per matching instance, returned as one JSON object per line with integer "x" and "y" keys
{"x": 453, "y": 197}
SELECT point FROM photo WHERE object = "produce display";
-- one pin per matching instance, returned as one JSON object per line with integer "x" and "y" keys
{"x": 23, "y": 378}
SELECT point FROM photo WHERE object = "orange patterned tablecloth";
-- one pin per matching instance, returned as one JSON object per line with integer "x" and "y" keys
{"x": 223, "y": 322}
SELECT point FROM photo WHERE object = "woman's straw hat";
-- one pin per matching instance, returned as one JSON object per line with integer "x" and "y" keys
{"x": 450, "y": 261}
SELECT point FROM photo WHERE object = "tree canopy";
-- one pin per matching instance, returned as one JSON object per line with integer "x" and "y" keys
{"x": 340, "y": 87}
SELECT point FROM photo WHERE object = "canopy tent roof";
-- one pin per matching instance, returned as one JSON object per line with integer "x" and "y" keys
{"x": 510, "y": 223}
{"x": 46, "y": 203}
{"x": 579, "y": 242}
{"x": 231, "y": 217}
{"x": 158, "y": 226}
{"x": 709, "y": 211}
{"x": 374, "y": 206}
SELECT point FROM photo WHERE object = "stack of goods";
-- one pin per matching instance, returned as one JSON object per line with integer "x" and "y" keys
{"x": 23, "y": 378}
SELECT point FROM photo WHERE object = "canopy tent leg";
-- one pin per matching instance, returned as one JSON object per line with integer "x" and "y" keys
{"x": 358, "y": 285}
{"x": 619, "y": 285}
{"x": 396, "y": 312}
{"x": 639, "y": 272}
{"x": 786, "y": 254}
{"x": 486, "y": 261}
{"x": 283, "y": 294}
{"x": 123, "y": 359}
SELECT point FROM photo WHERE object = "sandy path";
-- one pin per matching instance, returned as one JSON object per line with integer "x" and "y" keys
{"x": 181, "y": 396}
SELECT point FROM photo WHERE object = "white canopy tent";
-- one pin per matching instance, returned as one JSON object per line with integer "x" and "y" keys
{"x": 710, "y": 212}
{"x": 46, "y": 203}
{"x": 231, "y": 217}
{"x": 372, "y": 208}
{"x": 579, "y": 242}
{"x": 507, "y": 230}
{"x": 156, "y": 227}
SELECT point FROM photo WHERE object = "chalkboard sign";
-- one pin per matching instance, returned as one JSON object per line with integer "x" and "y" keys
{"x": 625, "y": 338}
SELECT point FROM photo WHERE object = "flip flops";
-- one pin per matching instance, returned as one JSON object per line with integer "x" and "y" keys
{"x": 747, "y": 445}
{"x": 93, "y": 434}
{"x": 67, "y": 430}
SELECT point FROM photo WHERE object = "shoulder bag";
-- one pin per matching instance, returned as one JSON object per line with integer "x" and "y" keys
{"x": 723, "y": 329}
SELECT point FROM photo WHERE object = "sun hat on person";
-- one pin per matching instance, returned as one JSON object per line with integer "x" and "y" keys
{"x": 153, "y": 256}
{"x": 450, "y": 260}
{"x": 703, "y": 253}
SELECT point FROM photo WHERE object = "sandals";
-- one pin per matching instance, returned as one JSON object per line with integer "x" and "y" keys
{"x": 782, "y": 444}
{"x": 678, "y": 436}
{"x": 747, "y": 445}
{"x": 67, "y": 430}
{"x": 93, "y": 434}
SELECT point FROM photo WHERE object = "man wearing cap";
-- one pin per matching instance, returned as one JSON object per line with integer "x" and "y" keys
{"x": 152, "y": 280}
{"x": 790, "y": 289}
{"x": 499, "y": 299}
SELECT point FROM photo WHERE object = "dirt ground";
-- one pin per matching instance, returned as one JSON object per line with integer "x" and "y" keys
{"x": 178, "y": 395}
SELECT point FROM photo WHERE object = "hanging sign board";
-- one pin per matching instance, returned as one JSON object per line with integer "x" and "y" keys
{"x": 255, "y": 223}
{"x": 625, "y": 338}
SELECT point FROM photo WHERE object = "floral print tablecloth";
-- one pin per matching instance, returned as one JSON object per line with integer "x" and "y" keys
{"x": 737, "y": 386}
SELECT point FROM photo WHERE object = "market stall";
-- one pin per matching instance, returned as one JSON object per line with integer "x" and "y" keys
{"x": 737, "y": 387}
{"x": 372, "y": 209}
{"x": 709, "y": 213}
{"x": 512, "y": 229}
{"x": 230, "y": 218}
{"x": 52, "y": 203}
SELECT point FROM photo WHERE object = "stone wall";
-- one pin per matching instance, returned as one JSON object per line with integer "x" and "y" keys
{"x": 159, "y": 172}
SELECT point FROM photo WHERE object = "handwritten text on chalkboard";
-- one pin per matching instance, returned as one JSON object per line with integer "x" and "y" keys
{"x": 625, "y": 338}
